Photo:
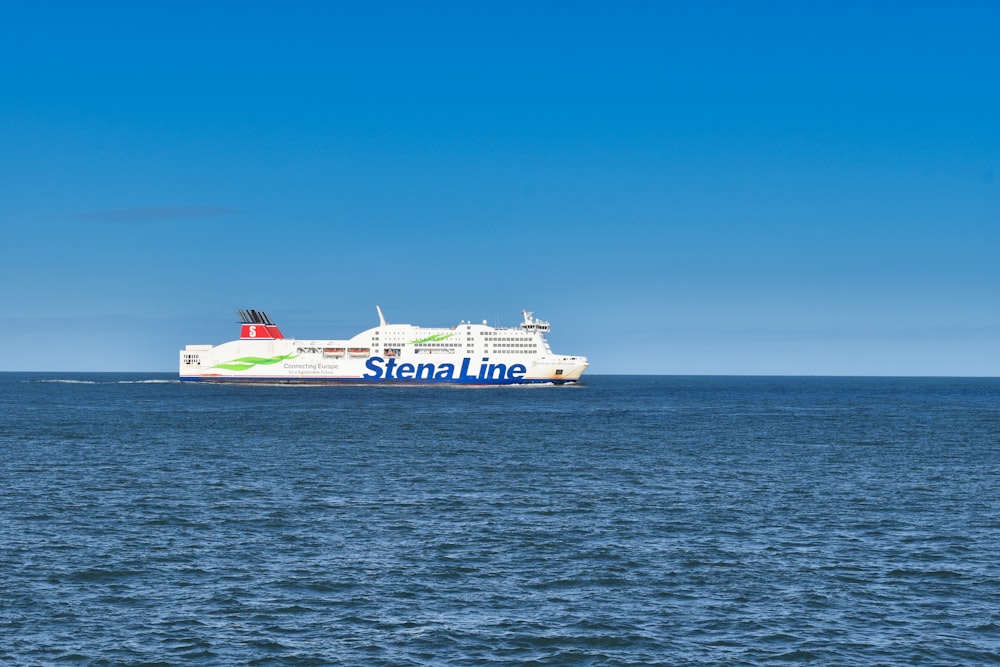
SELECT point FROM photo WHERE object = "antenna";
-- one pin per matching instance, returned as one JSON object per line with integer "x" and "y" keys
{"x": 381, "y": 317}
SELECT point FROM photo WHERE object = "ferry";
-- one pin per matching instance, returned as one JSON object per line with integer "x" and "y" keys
{"x": 465, "y": 354}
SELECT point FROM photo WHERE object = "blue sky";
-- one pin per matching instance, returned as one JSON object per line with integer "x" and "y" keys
{"x": 703, "y": 187}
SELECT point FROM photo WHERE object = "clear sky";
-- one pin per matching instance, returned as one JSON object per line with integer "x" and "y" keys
{"x": 697, "y": 187}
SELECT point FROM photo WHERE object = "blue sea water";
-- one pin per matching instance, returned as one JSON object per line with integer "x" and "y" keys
{"x": 626, "y": 521}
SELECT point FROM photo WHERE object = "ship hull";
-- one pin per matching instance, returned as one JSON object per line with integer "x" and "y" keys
{"x": 317, "y": 381}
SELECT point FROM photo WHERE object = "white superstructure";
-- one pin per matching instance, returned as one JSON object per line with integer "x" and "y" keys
{"x": 466, "y": 353}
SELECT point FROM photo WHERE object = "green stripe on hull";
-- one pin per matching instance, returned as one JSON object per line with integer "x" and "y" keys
{"x": 244, "y": 363}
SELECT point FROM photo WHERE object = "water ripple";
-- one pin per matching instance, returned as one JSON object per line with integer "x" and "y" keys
{"x": 693, "y": 521}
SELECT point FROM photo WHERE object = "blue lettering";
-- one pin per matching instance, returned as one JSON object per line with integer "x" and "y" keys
{"x": 373, "y": 365}
{"x": 382, "y": 369}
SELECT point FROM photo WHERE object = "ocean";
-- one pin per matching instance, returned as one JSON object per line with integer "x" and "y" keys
{"x": 631, "y": 520}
